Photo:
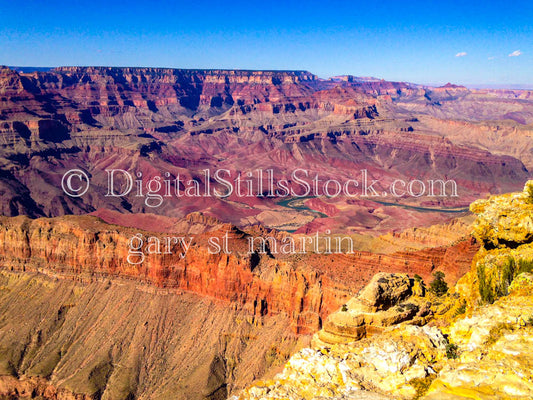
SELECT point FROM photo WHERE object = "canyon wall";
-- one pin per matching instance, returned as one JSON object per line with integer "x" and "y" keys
{"x": 79, "y": 321}
{"x": 305, "y": 287}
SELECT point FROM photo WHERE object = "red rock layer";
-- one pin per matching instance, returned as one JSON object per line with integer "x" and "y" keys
{"x": 306, "y": 287}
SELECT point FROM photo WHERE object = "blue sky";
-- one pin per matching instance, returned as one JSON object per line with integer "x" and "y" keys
{"x": 415, "y": 41}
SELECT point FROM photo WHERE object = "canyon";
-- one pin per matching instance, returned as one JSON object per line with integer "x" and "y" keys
{"x": 80, "y": 320}
{"x": 182, "y": 122}
{"x": 395, "y": 340}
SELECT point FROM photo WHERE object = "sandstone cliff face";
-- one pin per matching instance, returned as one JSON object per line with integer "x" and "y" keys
{"x": 492, "y": 361}
{"x": 495, "y": 356}
{"x": 432, "y": 236}
{"x": 485, "y": 354}
{"x": 307, "y": 288}
{"x": 505, "y": 227}
{"x": 84, "y": 247}
{"x": 492, "y": 135}
{"x": 387, "y": 300}
{"x": 13, "y": 388}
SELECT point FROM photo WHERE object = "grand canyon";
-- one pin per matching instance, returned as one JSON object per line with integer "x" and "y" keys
{"x": 80, "y": 320}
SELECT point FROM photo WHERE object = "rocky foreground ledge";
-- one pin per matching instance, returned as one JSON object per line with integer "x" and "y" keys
{"x": 397, "y": 341}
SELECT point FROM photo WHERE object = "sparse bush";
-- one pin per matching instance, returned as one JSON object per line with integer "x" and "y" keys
{"x": 452, "y": 351}
{"x": 485, "y": 289}
{"x": 461, "y": 309}
{"x": 525, "y": 266}
{"x": 421, "y": 385}
{"x": 344, "y": 308}
{"x": 508, "y": 271}
{"x": 497, "y": 332}
{"x": 438, "y": 286}
{"x": 507, "y": 276}
{"x": 418, "y": 278}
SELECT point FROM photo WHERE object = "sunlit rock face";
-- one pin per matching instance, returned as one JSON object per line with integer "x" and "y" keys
{"x": 387, "y": 300}
{"x": 480, "y": 350}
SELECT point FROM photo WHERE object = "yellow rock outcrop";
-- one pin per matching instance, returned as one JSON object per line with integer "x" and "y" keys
{"x": 480, "y": 347}
{"x": 387, "y": 300}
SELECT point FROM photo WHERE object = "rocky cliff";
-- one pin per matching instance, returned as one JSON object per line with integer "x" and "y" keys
{"x": 79, "y": 321}
{"x": 477, "y": 345}
{"x": 112, "y": 338}
{"x": 306, "y": 287}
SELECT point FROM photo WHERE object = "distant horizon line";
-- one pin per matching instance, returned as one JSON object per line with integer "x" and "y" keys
{"x": 501, "y": 86}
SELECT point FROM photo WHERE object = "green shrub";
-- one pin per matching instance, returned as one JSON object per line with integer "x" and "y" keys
{"x": 452, "y": 351}
{"x": 421, "y": 385}
{"x": 525, "y": 266}
{"x": 418, "y": 278}
{"x": 461, "y": 309}
{"x": 438, "y": 286}
{"x": 485, "y": 289}
{"x": 344, "y": 308}
{"x": 508, "y": 272}
{"x": 497, "y": 332}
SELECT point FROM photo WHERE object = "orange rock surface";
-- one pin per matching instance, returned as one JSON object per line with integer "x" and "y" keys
{"x": 306, "y": 287}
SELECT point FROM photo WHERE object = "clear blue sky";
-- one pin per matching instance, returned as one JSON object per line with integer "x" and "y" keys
{"x": 413, "y": 41}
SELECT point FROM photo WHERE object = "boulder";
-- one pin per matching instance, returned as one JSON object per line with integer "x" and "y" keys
{"x": 384, "y": 291}
{"x": 384, "y": 302}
